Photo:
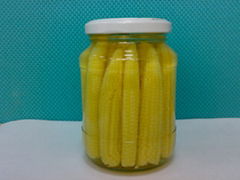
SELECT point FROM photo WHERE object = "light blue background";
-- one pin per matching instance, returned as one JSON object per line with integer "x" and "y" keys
{"x": 41, "y": 40}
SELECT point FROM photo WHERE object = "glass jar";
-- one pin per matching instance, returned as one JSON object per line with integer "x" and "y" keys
{"x": 128, "y": 77}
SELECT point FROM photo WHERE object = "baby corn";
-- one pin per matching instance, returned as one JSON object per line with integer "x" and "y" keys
{"x": 110, "y": 110}
{"x": 83, "y": 61}
{"x": 95, "y": 71}
{"x": 151, "y": 109}
{"x": 168, "y": 62}
{"x": 130, "y": 107}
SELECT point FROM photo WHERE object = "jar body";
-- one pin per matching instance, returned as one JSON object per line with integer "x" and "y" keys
{"x": 128, "y": 99}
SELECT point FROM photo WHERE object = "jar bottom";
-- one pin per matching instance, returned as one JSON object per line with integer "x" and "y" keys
{"x": 163, "y": 162}
{"x": 166, "y": 158}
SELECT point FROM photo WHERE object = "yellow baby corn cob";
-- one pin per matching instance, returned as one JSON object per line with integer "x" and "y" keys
{"x": 151, "y": 109}
{"x": 142, "y": 158}
{"x": 110, "y": 110}
{"x": 83, "y": 60}
{"x": 168, "y": 62}
{"x": 153, "y": 68}
{"x": 130, "y": 107}
{"x": 95, "y": 71}
{"x": 164, "y": 60}
{"x": 172, "y": 101}
{"x": 116, "y": 110}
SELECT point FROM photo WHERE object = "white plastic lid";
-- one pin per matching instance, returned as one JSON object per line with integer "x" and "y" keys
{"x": 127, "y": 25}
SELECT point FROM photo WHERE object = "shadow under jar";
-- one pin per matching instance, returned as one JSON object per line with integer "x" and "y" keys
{"x": 128, "y": 76}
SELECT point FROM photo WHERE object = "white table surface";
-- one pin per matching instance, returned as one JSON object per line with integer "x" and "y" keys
{"x": 207, "y": 149}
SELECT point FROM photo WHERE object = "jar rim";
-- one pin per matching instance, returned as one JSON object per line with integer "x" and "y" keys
{"x": 153, "y": 37}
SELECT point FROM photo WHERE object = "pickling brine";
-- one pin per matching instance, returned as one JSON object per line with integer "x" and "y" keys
{"x": 128, "y": 96}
